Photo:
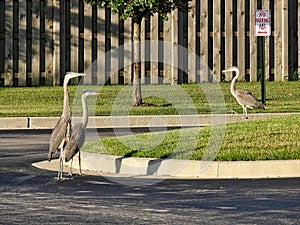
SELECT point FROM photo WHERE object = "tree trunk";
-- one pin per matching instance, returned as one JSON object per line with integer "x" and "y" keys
{"x": 137, "y": 93}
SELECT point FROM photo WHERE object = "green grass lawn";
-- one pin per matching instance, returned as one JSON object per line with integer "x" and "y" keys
{"x": 267, "y": 139}
{"x": 166, "y": 99}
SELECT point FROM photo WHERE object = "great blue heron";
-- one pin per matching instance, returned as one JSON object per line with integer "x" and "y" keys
{"x": 244, "y": 98}
{"x": 73, "y": 146}
{"x": 62, "y": 129}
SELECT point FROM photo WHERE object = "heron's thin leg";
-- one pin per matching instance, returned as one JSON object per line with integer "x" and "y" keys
{"x": 245, "y": 112}
{"x": 61, "y": 159}
{"x": 79, "y": 163}
{"x": 70, "y": 167}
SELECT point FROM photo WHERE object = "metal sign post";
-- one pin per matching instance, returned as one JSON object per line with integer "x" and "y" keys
{"x": 262, "y": 30}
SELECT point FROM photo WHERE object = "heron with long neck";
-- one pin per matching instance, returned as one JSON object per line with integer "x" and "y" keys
{"x": 77, "y": 139}
{"x": 243, "y": 97}
{"x": 62, "y": 129}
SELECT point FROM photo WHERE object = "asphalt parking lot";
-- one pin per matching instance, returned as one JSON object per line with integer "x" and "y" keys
{"x": 33, "y": 196}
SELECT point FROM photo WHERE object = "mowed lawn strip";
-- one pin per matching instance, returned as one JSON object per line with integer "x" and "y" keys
{"x": 266, "y": 139}
{"x": 162, "y": 99}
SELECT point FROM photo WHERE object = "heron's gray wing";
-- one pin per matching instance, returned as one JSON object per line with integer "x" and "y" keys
{"x": 247, "y": 99}
{"x": 58, "y": 134}
{"x": 76, "y": 141}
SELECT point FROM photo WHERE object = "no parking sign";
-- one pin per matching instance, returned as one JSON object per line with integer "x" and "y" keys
{"x": 263, "y": 23}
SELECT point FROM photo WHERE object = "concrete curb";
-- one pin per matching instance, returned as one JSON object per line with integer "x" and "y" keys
{"x": 189, "y": 168}
{"x": 106, "y": 165}
{"x": 134, "y": 121}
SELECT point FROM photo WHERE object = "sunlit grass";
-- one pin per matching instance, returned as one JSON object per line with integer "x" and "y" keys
{"x": 267, "y": 139}
{"x": 165, "y": 99}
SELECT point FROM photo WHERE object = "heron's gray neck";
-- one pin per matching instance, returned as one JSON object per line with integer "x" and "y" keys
{"x": 84, "y": 119}
{"x": 66, "y": 109}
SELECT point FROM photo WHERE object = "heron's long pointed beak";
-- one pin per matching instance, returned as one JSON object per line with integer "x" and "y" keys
{"x": 71, "y": 75}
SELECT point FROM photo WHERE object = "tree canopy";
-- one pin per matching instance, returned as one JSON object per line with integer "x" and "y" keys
{"x": 139, "y": 9}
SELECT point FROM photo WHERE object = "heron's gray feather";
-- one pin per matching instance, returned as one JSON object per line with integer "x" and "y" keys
{"x": 76, "y": 141}
{"x": 58, "y": 134}
{"x": 246, "y": 98}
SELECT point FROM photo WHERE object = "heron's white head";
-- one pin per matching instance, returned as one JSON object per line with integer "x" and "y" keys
{"x": 88, "y": 93}
{"x": 71, "y": 75}
{"x": 231, "y": 69}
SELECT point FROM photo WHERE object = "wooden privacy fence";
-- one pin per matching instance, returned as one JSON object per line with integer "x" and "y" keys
{"x": 40, "y": 40}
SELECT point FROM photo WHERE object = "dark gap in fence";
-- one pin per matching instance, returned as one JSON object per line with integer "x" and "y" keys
{"x": 198, "y": 61}
{"x": 121, "y": 50}
{"x": 28, "y": 43}
{"x": 67, "y": 47}
{"x": 210, "y": 38}
{"x": 81, "y": 38}
{"x": 2, "y": 42}
{"x": 259, "y": 48}
{"x": 272, "y": 47}
{"x": 62, "y": 35}
{"x": 247, "y": 39}
{"x": 223, "y": 38}
{"x": 160, "y": 50}
{"x": 234, "y": 30}
{"x": 42, "y": 57}
{"x": 107, "y": 45}
{"x": 293, "y": 40}
{"x": 94, "y": 45}
{"x": 180, "y": 50}
{"x": 15, "y": 42}
{"x": 147, "y": 51}
{"x": 183, "y": 41}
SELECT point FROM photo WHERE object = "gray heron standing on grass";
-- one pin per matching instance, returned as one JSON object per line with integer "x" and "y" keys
{"x": 244, "y": 98}
{"x": 62, "y": 129}
{"x": 73, "y": 146}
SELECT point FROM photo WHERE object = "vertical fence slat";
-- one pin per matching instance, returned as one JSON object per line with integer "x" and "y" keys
{"x": 174, "y": 16}
{"x": 285, "y": 32}
{"x": 154, "y": 49}
{"x": 49, "y": 63}
{"x": 298, "y": 39}
{"x": 204, "y": 40}
{"x": 253, "y": 42}
{"x": 74, "y": 35}
{"x": 192, "y": 41}
{"x": 228, "y": 33}
{"x": 2, "y": 42}
{"x": 22, "y": 44}
{"x": 101, "y": 46}
{"x": 56, "y": 40}
{"x": 266, "y": 5}
{"x": 217, "y": 41}
{"x": 143, "y": 50}
{"x": 114, "y": 44}
{"x": 8, "y": 62}
{"x": 241, "y": 37}
{"x": 167, "y": 50}
{"x": 35, "y": 42}
{"x": 278, "y": 40}
{"x": 127, "y": 50}
{"x": 87, "y": 43}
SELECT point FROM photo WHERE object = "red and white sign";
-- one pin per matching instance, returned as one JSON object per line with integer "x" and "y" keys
{"x": 263, "y": 23}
